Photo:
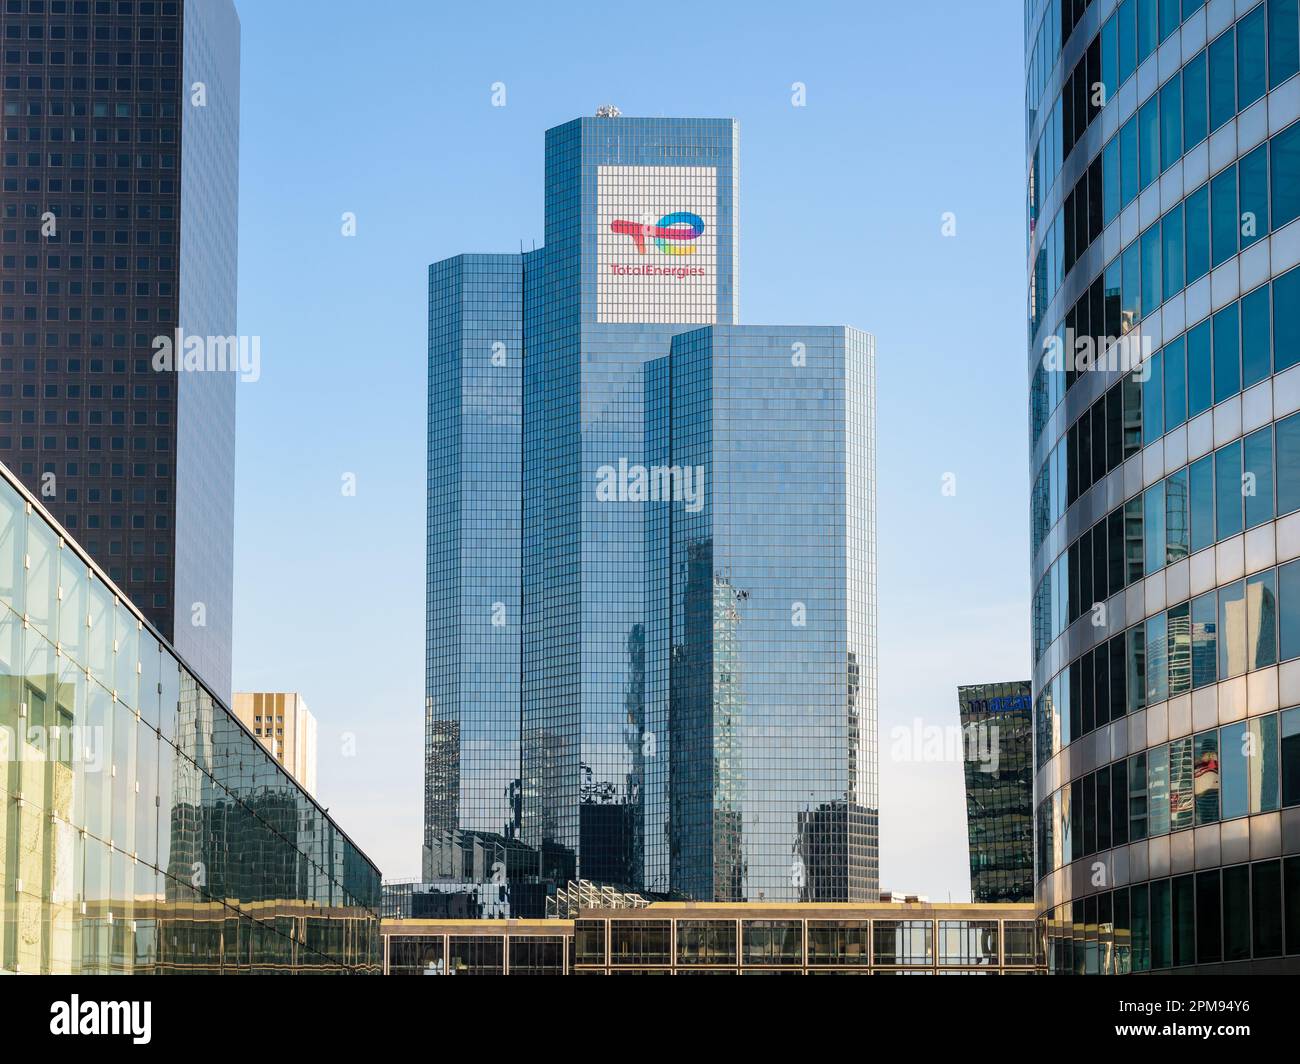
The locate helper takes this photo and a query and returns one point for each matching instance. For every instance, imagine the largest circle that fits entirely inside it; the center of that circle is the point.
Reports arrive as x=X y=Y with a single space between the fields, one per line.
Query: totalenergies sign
x=672 y=234
x=657 y=250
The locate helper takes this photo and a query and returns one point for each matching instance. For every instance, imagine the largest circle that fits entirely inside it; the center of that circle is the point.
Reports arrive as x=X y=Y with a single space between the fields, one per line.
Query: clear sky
x=913 y=108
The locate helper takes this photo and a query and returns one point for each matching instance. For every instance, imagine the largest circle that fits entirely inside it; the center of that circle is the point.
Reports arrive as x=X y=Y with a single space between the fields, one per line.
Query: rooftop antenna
x=608 y=110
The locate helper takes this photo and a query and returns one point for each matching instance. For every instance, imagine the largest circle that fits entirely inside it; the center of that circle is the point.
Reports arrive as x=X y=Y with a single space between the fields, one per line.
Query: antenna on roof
x=607 y=110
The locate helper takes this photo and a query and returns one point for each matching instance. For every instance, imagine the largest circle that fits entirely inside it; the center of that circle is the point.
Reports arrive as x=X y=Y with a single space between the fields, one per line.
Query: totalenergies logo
x=673 y=233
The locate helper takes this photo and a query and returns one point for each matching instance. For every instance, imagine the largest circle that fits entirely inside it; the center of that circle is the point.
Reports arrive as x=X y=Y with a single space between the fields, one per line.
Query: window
x=1288 y=464
x=1171 y=232
x=1151 y=255
x=1235 y=768
x=1153 y=421
x=1228 y=498
x=1171 y=123
x=1227 y=353
x=1231 y=630
x=1181 y=783
x=1261 y=620
x=709 y=942
x=773 y=942
x=1257 y=477
x=1176 y=517
x=1223 y=80
x=836 y=942
x=1175 y=367
x=1195 y=114
x=639 y=942
x=1289 y=726
x=1148 y=28
x=1266 y=907
x=1285 y=149
x=1223 y=215
x=1209 y=929
x=1153 y=507
x=903 y=941
x=1161 y=929
x=1180 y=649
x=1205 y=754
x=1158 y=791
x=1251 y=67
x=1256 y=353
x=1283 y=41
x=1128 y=158
x=1236 y=913
x=1183 y=920
x=1148 y=142
x=1288 y=579
x=1137 y=797
x=1197 y=212
x=968 y=942
x=1264 y=782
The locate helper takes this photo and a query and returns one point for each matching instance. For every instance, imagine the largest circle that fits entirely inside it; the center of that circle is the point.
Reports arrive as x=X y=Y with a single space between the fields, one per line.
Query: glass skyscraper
x=650 y=653
x=1164 y=337
x=120 y=226
x=998 y=732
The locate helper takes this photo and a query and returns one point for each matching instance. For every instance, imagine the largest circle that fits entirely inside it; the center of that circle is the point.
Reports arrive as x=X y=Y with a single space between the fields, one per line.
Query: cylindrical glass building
x=1163 y=184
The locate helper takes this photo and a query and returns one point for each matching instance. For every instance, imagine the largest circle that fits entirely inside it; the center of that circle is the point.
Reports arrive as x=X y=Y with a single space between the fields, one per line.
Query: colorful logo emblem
x=672 y=234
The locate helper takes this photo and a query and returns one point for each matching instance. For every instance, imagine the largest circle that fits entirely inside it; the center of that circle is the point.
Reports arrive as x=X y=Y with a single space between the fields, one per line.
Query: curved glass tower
x=1163 y=184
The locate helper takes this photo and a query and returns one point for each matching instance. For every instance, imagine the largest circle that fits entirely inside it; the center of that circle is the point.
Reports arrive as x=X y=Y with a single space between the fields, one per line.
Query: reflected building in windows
x=664 y=938
x=651 y=611
x=1163 y=161
x=997 y=723
x=145 y=830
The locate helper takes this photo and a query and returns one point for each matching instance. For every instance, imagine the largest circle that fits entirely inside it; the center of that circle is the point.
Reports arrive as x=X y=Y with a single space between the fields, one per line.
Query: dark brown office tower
x=119 y=247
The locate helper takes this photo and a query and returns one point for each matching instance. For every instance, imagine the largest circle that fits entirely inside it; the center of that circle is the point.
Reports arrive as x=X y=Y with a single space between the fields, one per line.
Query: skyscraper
x=121 y=161
x=997 y=727
x=286 y=727
x=1164 y=337
x=585 y=584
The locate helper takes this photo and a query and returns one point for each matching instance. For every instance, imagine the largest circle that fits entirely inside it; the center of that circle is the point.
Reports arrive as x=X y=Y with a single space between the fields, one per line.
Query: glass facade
x=474 y=597
x=754 y=939
x=554 y=575
x=1164 y=327
x=119 y=226
x=143 y=830
x=761 y=615
x=997 y=727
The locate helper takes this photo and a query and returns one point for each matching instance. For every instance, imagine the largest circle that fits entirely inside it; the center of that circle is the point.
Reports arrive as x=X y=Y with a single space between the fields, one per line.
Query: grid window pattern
x=145 y=830
x=997 y=722
x=733 y=940
x=761 y=652
x=618 y=679
x=1164 y=497
x=96 y=136
x=474 y=608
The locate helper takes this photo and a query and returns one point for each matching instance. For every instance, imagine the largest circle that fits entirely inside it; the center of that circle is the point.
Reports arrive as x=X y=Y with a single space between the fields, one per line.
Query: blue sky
x=914 y=108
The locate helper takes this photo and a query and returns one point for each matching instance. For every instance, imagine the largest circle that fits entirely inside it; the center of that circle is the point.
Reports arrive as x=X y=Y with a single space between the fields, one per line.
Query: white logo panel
x=657 y=244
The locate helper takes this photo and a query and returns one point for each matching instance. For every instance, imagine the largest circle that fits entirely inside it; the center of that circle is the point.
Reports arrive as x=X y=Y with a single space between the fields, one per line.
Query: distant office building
x=145 y=830
x=650 y=655
x=1163 y=325
x=668 y=938
x=281 y=720
x=121 y=205
x=997 y=727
